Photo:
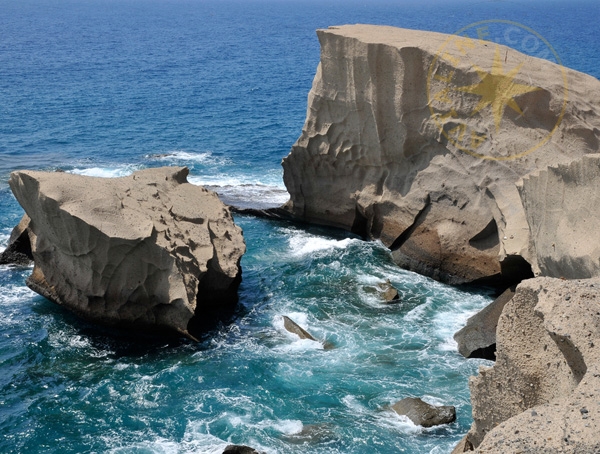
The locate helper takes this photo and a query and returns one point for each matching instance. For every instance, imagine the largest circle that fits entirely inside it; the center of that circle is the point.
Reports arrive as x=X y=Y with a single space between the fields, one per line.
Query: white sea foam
x=302 y=243
x=393 y=421
x=287 y=426
x=106 y=172
x=179 y=155
x=3 y=241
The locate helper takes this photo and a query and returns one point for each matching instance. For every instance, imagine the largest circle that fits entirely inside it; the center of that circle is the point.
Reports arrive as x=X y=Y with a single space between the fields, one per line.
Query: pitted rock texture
x=542 y=394
x=148 y=251
x=374 y=158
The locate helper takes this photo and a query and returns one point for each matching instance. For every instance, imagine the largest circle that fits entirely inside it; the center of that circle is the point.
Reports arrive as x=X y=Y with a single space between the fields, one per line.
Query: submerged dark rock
x=423 y=414
x=241 y=449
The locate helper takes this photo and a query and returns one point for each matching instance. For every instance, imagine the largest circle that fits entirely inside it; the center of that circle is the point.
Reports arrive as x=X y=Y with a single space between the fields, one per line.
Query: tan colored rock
x=388 y=292
x=376 y=156
x=561 y=204
x=149 y=251
x=542 y=393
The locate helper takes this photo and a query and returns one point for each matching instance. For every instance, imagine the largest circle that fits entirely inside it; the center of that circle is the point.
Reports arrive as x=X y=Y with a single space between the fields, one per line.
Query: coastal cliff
x=398 y=147
x=475 y=163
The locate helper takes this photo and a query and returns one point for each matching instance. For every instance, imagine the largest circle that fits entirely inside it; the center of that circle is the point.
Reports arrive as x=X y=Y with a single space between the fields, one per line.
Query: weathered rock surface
x=382 y=153
x=148 y=251
x=18 y=250
x=423 y=414
x=542 y=394
x=477 y=339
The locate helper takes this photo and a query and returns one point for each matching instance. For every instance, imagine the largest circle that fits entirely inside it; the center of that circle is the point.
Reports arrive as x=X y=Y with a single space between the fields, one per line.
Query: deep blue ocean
x=105 y=87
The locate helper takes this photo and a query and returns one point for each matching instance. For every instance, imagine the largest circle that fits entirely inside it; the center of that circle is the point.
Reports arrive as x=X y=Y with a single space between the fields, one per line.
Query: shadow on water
x=125 y=343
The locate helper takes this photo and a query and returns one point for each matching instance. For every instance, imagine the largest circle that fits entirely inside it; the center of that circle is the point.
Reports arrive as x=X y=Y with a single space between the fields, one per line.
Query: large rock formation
x=542 y=394
x=148 y=251
x=404 y=143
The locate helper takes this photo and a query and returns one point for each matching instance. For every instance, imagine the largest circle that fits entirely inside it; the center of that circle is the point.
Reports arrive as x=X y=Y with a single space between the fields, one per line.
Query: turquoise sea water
x=106 y=87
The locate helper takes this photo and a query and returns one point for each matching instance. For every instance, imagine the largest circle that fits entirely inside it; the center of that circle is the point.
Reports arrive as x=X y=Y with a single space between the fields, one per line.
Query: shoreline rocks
x=148 y=252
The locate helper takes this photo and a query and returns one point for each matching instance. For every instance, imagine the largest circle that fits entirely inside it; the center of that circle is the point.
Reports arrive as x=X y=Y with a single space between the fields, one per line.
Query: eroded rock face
x=148 y=251
x=377 y=156
x=542 y=393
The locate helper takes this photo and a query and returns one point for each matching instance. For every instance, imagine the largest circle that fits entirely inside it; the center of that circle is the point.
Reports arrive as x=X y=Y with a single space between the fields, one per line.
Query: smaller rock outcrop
x=18 y=250
x=388 y=292
x=149 y=251
x=296 y=329
x=423 y=414
x=477 y=339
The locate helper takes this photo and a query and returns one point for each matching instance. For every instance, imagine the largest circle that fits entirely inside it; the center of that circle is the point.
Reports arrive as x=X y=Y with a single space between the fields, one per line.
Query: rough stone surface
x=377 y=155
x=423 y=414
x=542 y=394
x=18 y=249
x=477 y=339
x=148 y=251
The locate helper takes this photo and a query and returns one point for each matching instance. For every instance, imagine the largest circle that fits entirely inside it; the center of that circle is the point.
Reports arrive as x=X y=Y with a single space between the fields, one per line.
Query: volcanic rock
x=397 y=146
x=423 y=414
x=240 y=449
x=148 y=251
